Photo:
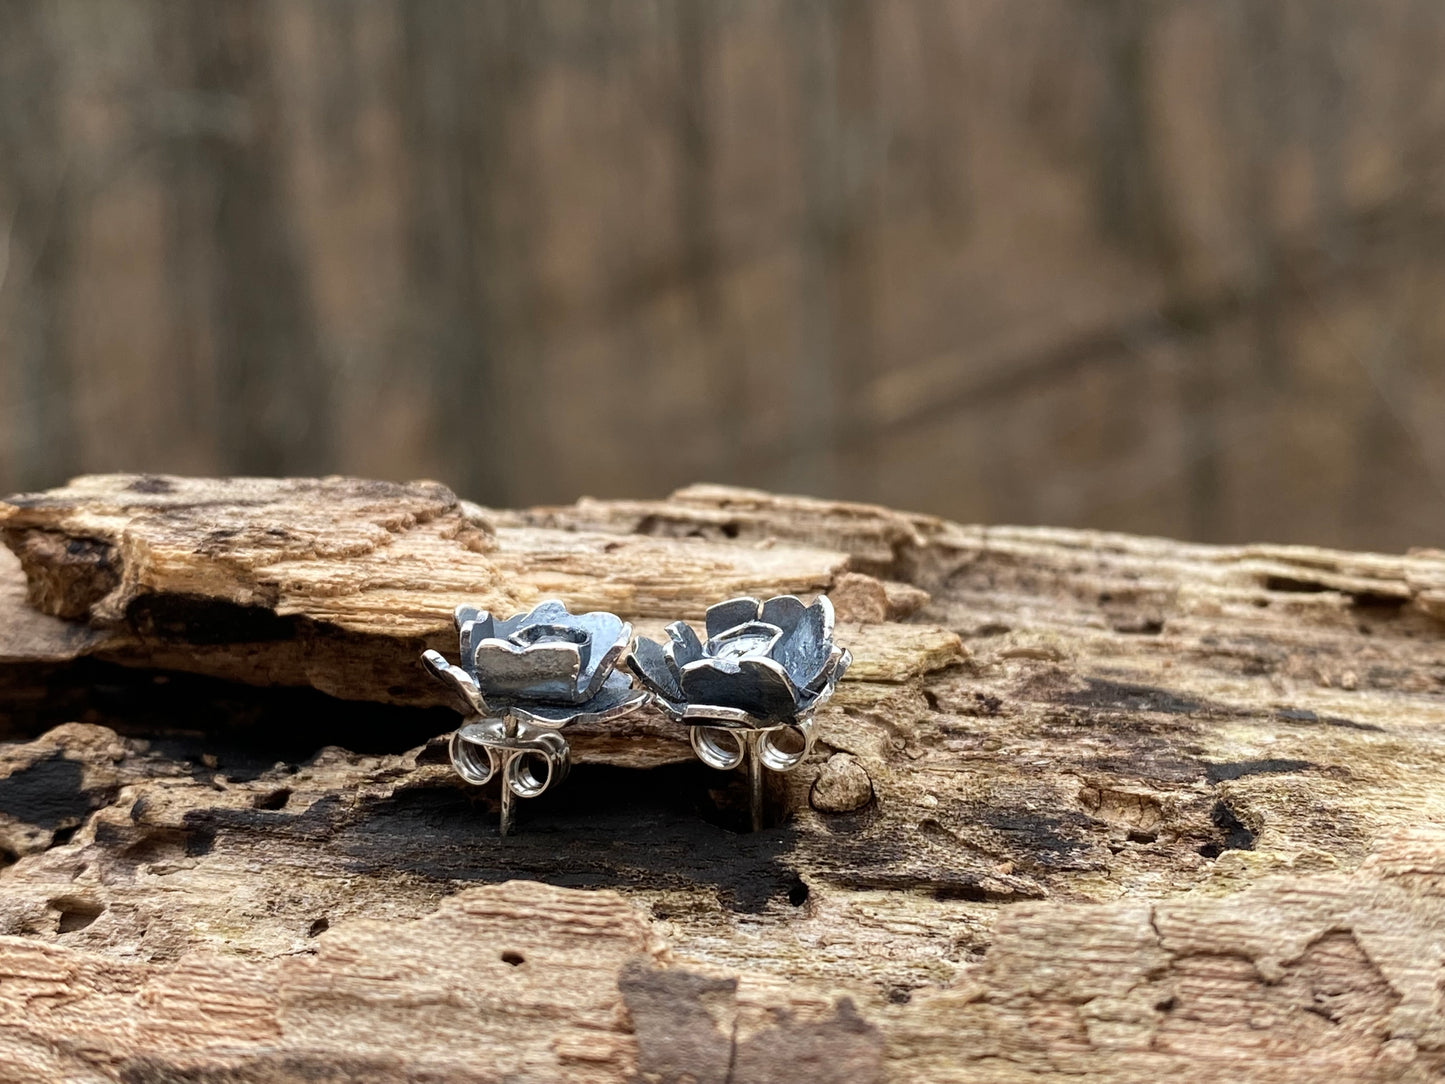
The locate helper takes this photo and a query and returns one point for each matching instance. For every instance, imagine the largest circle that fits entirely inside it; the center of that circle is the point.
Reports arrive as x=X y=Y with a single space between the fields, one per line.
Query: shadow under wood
x=605 y=827
x=247 y=729
x=671 y=827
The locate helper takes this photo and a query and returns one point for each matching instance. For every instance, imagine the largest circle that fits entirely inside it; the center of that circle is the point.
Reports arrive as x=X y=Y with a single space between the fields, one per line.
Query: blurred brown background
x=1172 y=267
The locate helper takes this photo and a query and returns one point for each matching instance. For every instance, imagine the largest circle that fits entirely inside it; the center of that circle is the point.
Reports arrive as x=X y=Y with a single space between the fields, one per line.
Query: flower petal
x=503 y=627
x=785 y=611
x=547 y=612
x=545 y=671
x=648 y=660
x=461 y=681
x=604 y=663
x=465 y=615
x=760 y=687
x=472 y=625
x=839 y=660
x=732 y=613
x=804 y=652
x=617 y=697
x=826 y=683
x=684 y=647
x=607 y=638
x=544 y=613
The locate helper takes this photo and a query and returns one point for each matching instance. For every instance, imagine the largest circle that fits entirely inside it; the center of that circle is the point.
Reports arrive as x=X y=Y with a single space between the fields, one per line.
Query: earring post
x=509 y=808
x=755 y=782
x=509 y=797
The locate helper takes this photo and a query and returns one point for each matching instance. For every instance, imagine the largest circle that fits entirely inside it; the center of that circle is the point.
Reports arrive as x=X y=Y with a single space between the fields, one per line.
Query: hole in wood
x=64 y=835
x=516 y=959
x=276 y=799
x=1236 y=837
x=1291 y=584
x=798 y=893
x=76 y=914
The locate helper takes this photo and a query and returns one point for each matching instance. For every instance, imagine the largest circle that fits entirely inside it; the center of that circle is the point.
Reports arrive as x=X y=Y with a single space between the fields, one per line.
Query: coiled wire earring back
x=521 y=680
x=749 y=692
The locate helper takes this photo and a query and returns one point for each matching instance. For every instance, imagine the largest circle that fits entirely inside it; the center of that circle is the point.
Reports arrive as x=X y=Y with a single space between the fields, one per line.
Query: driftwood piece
x=1085 y=804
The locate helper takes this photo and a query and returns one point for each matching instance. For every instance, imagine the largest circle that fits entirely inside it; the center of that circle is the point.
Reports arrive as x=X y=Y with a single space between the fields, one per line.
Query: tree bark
x=1085 y=805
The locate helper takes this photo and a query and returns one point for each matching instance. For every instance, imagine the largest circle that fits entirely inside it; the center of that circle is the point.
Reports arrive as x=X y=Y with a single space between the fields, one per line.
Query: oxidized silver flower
x=523 y=679
x=753 y=686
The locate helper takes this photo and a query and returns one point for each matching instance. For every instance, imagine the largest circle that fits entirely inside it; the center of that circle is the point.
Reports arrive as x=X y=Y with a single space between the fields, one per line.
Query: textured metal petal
x=648 y=660
x=838 y=660
x=605 y=665
x=804 y=652
x=616 y=698
x=544 y=613
x=459 y=679
x=464 y=635
x=732 y=613
x=600 y=626
x=505 y=627
x=785 y=611
x=472 y=625
x=545 y=671
x=759 y=687
x=683 y=647
x=826 y=682
x=607 y=638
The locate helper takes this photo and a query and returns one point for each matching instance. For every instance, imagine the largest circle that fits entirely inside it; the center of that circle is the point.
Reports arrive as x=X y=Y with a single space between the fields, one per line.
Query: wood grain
x=1086 y=804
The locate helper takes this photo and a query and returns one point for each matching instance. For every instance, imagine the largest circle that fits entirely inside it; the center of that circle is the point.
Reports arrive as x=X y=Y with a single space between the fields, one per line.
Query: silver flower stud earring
x=749 y=692
x=522 y=680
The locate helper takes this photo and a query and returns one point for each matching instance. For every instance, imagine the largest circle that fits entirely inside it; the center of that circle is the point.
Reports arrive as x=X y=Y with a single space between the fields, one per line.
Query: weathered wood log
x=1086 y=804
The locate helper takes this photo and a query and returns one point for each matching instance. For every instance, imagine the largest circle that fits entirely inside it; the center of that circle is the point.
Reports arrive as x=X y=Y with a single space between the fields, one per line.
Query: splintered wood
x=1086 y=805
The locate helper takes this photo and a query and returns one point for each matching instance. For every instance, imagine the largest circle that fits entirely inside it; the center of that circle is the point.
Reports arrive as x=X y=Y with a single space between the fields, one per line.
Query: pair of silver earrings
x=747 y=693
